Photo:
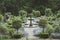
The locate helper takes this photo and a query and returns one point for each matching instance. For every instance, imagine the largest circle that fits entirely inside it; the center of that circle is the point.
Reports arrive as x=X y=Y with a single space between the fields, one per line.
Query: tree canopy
x=14 y=6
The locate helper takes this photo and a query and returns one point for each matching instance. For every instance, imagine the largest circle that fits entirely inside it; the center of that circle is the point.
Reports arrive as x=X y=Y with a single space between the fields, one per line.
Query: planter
x=44 y=35
x=17 y=36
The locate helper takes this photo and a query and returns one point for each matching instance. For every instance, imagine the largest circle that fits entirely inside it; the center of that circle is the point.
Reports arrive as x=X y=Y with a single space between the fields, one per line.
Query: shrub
x=58 y=14
x=57 y=29
x=51 y=18
x=44 y=35
x=4 y=37
x=17 y=36
x=50 y=23
x=36 y=13
x=22 y=13
x=3 y=29
x=9 y=21
x=43 y=22
x=17 y=24
x=11 y=31
x=48 y=12
x=49 y=29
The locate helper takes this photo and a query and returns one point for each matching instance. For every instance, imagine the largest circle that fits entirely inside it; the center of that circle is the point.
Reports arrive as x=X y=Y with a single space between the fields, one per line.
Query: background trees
x=14 y=6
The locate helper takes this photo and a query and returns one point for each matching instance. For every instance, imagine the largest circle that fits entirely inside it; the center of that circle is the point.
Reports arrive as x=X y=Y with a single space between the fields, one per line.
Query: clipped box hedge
x=44 y=35
x=17 y=36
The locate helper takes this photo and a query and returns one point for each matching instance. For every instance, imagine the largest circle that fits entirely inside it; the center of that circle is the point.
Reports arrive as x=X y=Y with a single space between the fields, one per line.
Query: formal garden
x=29 y=20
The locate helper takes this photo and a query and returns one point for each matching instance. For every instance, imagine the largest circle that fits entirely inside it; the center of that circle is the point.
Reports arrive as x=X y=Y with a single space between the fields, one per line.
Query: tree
x=17 y=24
x=43 y=22
x=14 y=6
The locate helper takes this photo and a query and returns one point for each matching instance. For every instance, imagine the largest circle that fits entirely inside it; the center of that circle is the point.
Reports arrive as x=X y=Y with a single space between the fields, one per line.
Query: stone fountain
x=30 y=21
x=30 y=25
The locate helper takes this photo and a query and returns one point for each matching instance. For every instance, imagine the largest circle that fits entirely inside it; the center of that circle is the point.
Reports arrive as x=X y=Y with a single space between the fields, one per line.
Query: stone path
x=29 y=29
x=30 y=32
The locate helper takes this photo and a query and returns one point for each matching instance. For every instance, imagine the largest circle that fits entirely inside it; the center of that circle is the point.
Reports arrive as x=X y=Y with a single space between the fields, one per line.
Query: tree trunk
x=43 y=29
x=17 y=31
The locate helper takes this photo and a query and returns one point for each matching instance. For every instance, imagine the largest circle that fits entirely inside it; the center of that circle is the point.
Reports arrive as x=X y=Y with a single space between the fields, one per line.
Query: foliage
x=58 y=14
x=48 y=12
x=16 y=24
x=43 y=23
x=51 y=18
x=14 y=18
x=14 y=6
x=57 y=29
x=21 y=9
x=9 y=21
x=3 y=37
x=11 y=31
x=44 y=35
x=22 y=13
x=55 y=25
x=17 y=36
x=36 y=13
x=49 y=29
x=3 y=29
x=1 y=18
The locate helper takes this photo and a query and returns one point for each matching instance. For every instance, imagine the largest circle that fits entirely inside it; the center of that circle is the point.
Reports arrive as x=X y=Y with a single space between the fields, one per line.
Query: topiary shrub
x=48 y=12
x=17 y=36
x=17 y=24
x=43 y=23
x=36 y=13
x=44 y=35
x=3 y=30
x=23 y=14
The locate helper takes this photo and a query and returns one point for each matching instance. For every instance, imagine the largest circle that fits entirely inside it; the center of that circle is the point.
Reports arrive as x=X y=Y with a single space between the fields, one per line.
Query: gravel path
x=30 y=32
